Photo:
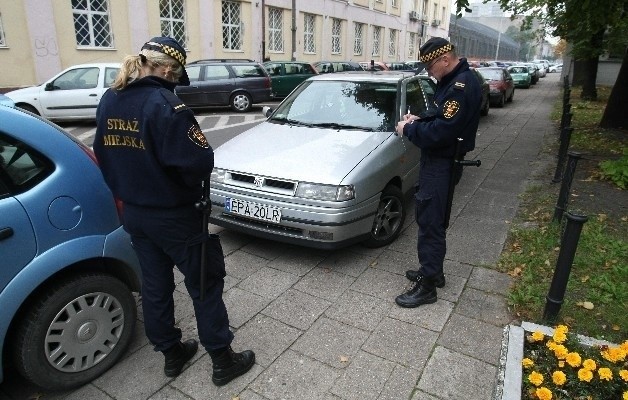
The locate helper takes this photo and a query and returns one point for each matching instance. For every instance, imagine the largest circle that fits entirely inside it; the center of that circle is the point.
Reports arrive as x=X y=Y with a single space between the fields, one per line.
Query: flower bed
x=539 y=362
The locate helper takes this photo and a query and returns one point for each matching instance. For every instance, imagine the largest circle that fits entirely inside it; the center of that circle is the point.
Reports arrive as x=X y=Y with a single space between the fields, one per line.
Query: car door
x=193 y=95
x=276 y=72
x=73 y=94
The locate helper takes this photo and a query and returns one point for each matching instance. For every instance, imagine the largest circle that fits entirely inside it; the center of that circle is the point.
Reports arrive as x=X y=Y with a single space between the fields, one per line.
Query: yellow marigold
x=559 y=378
x=544 y=393
x=623 y=374
x=562 y=328
x=585 y=375
x=625 y=396
x=573 y=359
x=624 y=345
x=537 y=336
x=614 y=354
x=605 y=374
x=550 y=344
x=535 y=378
x=559 y=336
x=527 y=363
x=560 y=351
x=589 y=364
x=561 y=364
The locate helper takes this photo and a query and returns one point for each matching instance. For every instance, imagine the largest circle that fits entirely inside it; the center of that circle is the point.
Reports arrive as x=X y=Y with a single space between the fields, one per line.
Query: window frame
x=336 y=36
x=169 y=20
x=231 y=27
x=309 y=33
x=275 y=32
x=89 y=14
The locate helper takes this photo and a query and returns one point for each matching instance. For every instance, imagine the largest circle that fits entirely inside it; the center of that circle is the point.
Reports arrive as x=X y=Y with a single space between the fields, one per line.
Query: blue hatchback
x=68 y=268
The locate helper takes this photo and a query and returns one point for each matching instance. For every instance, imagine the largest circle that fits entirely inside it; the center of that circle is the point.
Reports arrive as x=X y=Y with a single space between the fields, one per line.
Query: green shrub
x=616 y=170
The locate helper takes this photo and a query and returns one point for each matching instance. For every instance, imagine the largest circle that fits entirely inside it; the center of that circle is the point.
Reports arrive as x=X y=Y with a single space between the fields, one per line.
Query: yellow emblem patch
x=196 y=136
x=450 y=108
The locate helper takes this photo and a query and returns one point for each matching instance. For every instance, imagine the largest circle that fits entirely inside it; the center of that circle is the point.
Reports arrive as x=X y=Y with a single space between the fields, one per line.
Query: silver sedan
x=325 y=169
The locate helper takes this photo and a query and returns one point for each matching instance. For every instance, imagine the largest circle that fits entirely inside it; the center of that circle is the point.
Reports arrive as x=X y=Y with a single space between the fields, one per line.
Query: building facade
x=39 y=38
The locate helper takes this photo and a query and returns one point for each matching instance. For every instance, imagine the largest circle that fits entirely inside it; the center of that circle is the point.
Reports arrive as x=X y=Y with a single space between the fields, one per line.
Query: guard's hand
x=399 y=127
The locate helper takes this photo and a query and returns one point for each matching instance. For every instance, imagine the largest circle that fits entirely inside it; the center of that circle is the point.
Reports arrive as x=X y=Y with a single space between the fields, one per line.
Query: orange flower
x=535 y=378
x=543 y=393
x=585 y=375
x=559 y=378
x=573 y=359
x=614 y=354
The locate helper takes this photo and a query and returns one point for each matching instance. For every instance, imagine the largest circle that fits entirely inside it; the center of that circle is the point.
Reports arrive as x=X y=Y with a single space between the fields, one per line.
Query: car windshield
x=492 y=74
x=518 y=70
x=366 y=106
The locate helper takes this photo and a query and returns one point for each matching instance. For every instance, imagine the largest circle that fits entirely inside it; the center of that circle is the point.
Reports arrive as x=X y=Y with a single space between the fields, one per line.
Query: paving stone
x=296 y=309
x=406 y=242
x=268 y=282
x=359 y=310
x=167 y=393
x=251 y=395
x=267 y=337
x=429 y=316
x=401 y=383
x=242 y=264
x=331 y=342
x=295 y=376
x=490 y=280
x=401 y=342
x=324 y=283
x=472 y=337
x=453 y=376
x=364 y=379
x=243 y=305
x=382 y=284
x=298 y=261
x=347 y=262
x=397 y=262
x=265 y=248
x=483 y=306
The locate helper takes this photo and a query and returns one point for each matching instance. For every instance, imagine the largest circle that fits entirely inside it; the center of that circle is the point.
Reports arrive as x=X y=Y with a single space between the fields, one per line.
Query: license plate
x=253 y=210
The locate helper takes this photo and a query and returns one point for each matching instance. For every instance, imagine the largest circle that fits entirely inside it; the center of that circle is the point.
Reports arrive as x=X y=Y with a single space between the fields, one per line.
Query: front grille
x=263 y=224
x=263 y=183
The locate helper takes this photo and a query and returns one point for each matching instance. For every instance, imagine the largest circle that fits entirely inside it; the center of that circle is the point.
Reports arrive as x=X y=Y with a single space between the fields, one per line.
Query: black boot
x=177 y=356
x=423 y=292
x=228 y=365
x=413 y=275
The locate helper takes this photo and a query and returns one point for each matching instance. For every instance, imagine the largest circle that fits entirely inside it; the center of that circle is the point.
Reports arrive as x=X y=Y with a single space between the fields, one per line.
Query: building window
x=172 y=20
x=392 y=44
x=377 y=31
x=411 y=46
x=394 y=3
x=231 y=26
x=309 y=34
x=275 y=29
x=358 y=41
x=336 y=33
x=3 y=42
x=91 y=23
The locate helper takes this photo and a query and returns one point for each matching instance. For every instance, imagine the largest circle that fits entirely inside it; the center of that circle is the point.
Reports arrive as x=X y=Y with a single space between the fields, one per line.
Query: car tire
x=502 y=100
x=512 y=95
x=389 y=218
x=484 y=110
x=74 y=331
x=241 y=102
x=29 y=108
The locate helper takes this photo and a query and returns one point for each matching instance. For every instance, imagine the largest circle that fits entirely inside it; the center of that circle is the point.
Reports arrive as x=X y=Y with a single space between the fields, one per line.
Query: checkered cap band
x=168 y=50
x=425 y=58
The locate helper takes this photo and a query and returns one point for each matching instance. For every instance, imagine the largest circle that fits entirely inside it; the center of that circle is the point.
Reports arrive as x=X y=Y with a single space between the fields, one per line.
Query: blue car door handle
x=6 y=233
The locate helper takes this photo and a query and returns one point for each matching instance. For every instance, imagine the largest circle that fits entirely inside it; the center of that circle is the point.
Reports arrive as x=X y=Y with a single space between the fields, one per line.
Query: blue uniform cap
x=171 y=47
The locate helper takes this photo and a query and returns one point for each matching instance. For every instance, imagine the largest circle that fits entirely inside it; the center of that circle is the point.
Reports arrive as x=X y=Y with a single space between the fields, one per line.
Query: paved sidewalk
x=324 y=325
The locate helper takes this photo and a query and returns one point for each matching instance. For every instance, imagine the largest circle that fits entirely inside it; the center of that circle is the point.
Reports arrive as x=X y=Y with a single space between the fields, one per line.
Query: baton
x=452 y=177
x=203 y=205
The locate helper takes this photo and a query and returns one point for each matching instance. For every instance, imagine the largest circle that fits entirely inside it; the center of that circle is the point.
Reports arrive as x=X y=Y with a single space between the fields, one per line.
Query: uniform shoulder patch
x=450 y=108
x=174 y=101
x=196 y=136
x=459 y=85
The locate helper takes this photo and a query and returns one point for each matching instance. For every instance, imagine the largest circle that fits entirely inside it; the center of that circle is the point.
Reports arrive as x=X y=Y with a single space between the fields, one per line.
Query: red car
x=502 y=87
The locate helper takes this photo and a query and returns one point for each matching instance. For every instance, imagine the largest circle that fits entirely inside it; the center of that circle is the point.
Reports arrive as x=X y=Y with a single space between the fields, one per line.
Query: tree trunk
x=589 y=90
x=615 y=115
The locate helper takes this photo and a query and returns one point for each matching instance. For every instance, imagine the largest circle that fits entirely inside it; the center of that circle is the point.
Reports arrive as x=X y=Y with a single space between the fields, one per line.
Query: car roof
x=106 y=64
x=224 y=60
x=366 y=76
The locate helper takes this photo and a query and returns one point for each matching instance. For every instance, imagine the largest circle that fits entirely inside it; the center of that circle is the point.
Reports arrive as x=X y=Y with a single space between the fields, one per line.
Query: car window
x=213 y=72
x=21 y=167
x=247 y=71
x=80 y=78
x=110 y=76
x=273 y=69
x=294 y=69
x=492 y=74
x=519 y=70
x=415 y=100
x=194 y=72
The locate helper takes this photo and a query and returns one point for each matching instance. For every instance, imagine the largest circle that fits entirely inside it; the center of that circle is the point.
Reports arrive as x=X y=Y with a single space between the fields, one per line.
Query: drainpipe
x=263 y=31
x=294 y=30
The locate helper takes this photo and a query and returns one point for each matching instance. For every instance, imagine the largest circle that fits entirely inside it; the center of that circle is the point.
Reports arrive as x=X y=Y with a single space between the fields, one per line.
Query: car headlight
x=325 y=192
x=218 y=175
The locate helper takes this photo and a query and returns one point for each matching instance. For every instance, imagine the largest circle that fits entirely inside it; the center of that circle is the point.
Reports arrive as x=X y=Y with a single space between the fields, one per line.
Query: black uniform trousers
x=431 y=207
x=163 y=237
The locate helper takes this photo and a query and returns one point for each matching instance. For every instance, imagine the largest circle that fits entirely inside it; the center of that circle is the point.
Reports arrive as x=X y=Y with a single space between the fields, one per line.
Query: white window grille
x=309 y=34
x=358 y=42
x=336 y=33
x=377 y=31
x=392 y=43
x=172 y=20
x=411 y=45
x=91 y=23
x=394 y=3
x=275 y=29
x=3 y=42
x=231 y=25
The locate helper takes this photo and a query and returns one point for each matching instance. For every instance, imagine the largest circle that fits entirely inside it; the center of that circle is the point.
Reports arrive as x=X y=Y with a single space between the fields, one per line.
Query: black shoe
x=423 y=292
x=413 y=275
x=228 y=365
x=177 y=356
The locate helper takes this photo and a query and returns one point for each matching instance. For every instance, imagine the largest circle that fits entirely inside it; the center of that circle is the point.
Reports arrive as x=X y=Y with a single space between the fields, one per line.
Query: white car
x=72 y=94
x=326 y=169
x=556 y=68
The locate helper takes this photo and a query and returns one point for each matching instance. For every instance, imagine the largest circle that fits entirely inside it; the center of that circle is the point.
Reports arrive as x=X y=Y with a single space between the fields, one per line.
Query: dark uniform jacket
x=458 y=99
x=150 y=148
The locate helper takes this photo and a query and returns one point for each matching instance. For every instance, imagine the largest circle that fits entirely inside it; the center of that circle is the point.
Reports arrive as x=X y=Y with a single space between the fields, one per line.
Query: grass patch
x=599 y=274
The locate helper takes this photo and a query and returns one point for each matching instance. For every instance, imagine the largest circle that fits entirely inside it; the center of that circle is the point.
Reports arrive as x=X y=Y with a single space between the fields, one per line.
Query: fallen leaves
x=587 y=305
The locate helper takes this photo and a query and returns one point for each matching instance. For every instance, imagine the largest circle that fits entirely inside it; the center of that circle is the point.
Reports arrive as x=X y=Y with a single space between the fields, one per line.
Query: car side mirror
x=49 y=87
x=266 y=111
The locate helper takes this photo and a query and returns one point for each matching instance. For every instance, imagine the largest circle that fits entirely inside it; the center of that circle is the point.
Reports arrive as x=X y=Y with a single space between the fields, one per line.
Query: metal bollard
x=569 y=243
x=565 y=138
x=565 y=187
x=565 y=119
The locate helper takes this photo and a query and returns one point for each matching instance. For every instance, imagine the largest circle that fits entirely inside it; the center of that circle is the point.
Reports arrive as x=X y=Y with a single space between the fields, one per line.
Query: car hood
x=23 y=93
x=298 y=153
